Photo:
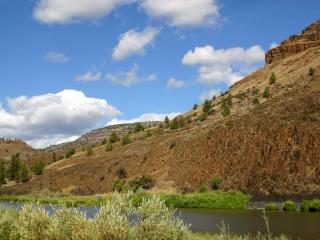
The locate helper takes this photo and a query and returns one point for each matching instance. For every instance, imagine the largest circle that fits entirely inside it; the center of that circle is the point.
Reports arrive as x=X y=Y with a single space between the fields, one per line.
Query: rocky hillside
x=267 y=143
x=98 y=135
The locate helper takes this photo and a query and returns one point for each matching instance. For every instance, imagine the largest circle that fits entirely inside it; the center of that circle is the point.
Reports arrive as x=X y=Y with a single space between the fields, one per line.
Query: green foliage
x=273 y=78
x=195 y=106
x=202 y=117
x=203 y=188
x=144 y=182
x=256 y=101
x=38 y=167
x=310 y=205
x=24 y=174
x=311 y=71
x=89 y=152
x=138 y=128
x=215 y=183
x=271 y=207
x=290 y=206
x=113 y=138
x=148 y=134
x=207 y=107
x=225 y=108
x=104 y=141
x=266 y=92
x=109 y=147
x=167 y=122
x=178 y=122
x=126 y=140
x=118 y=185
x=121 y=172
x=70 y=153
x=2 y=173
x=15 y=167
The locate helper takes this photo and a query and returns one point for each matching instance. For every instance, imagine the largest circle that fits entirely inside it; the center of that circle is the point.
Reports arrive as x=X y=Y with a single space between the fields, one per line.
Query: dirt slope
x=270 y=149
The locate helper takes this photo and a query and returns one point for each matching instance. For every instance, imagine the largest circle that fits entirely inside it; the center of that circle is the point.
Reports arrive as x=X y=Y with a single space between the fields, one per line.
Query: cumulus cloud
x=56 y=57
x=185 y=13
x=143 y=118
x=58 y=116
x=69 y=11
x=89 y=77
x=274 y=45
x=130 y=78
x=174 y=84
x=223 y=65
x=134 y=42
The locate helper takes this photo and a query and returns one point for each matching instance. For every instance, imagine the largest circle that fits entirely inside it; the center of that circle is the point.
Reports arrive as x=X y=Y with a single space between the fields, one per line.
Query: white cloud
x=174 y=83
x=134 y=42
x=89 y=77
x=69 y=11
x=274 y=45
x=130 y=78
x=59 y=116
x=56 y=57
x=209 y=94
x=143 y=118
x=224 y=65
x=185 y=13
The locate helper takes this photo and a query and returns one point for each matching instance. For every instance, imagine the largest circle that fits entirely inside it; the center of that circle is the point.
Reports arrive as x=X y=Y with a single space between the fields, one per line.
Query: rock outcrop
x=309 y=38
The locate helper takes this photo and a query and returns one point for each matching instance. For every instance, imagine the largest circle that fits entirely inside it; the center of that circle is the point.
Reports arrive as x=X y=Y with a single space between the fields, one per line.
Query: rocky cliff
x=309 y=38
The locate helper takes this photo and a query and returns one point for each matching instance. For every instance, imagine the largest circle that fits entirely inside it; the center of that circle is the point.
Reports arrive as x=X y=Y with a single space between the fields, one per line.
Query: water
x=296 y=225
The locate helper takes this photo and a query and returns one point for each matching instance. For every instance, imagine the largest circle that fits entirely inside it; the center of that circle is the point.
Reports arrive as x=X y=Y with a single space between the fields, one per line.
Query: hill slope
x=267 y=149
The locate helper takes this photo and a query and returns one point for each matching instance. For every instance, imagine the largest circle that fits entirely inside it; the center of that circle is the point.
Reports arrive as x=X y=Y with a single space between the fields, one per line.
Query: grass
x=290 y=206
x=213 y=200
x=271 y=207
x=153 y=221
x=310 y=205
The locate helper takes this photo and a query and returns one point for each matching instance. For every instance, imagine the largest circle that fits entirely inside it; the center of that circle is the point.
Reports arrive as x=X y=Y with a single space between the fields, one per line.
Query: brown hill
x=266 y=149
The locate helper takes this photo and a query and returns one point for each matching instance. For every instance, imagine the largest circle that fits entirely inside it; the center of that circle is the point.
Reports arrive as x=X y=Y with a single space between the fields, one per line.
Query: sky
x=70 y=66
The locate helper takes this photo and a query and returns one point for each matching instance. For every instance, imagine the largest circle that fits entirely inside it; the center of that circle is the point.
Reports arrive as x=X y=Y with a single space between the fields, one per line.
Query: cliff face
x=309 y=38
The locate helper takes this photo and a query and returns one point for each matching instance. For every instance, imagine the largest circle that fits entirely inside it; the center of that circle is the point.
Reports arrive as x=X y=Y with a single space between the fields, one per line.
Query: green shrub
x=38 y=167
x=109 y=147
x=273 y=78
x=271 y=207
x=104 y=141
x=118 y=185
x=126 y=140
x=148 y=134
x=225 y=108
x=311 y=71
x=24 y=174
x=215 y=183
x=14 y=167
x=2 y=173
x=167 y=122
x=289 y=206
x=174 y=124
x=121 y=173
x=203 y=188
x=113 y=138
x=144 y=182
x=266 y=92
x=70 y=153
x=207 y=107
x=256 y=101
x=138 y=128
x=310 y=205
x=202 y=117
x=89 y=152
x=195 y=106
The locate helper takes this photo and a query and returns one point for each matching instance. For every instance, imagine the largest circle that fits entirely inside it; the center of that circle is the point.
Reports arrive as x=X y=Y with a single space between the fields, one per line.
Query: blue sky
x=119 y=59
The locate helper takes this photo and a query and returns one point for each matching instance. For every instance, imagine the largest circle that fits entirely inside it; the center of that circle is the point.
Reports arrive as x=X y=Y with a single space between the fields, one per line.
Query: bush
x=144 y=182
x=121 y=172
x=109 y=147
x=195 y=106
x=70 y=153
x=225 y=108
x=126 y=140
x=202 y=117
x=24 y=174
x=118 y=185
x=290 y=206
x=167 y=122
x=266 y=93
x=311 y=71
x=272 y=78
x=271 y=207
x=104 y=141
x=256 y=101
x=310 y=205
x=113 y=138
x=138 y=128
x=38 y=167
x=215 y=183
x=207 y=107
x=89 y=152
x=2 y=173
x=15 y=167
x=174 y=124
x=148 y=134
x=203 y=188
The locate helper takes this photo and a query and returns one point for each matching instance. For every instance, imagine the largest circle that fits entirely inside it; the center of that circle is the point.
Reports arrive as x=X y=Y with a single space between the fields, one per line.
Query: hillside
x=269 y=146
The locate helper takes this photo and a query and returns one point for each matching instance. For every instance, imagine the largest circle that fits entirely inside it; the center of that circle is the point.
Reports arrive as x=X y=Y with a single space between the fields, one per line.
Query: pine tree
x=15 y=166
x=2 y=173
x=113 y=138
x=138 y=128
x=174 y=124
x=266 y=93
x=126 y=140
x=109 y=147
x=24 y=174
x=38 y=167
x=207 y=107
x=167 y=122
x=273 y=78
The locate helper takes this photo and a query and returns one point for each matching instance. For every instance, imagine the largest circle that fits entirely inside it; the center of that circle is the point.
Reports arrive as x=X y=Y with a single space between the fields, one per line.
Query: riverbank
x=209 y=200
